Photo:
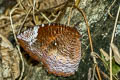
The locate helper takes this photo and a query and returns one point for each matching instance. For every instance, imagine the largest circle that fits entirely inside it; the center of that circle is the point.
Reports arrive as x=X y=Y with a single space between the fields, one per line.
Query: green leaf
x=115 y=68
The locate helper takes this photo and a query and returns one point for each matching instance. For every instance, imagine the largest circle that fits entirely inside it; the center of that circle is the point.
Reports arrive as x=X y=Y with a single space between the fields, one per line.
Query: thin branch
x=89 y=34
x=45 y=17
x=34 y=3
x=110 y=8
x=90 y=40
x=24 y=20
x=12 y=26
x=70 y=14
x=77 y=3
x=113 y=34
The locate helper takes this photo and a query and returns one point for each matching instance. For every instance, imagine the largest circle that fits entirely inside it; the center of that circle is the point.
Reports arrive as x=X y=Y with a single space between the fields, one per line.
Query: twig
x=113 y=34
x=45 y=17
x=24 y=20
x=34 y=3
x=105 y=75
x=110 y=8
x=89 y=34
x=20 y=3
x=89 y=73
x=69 y=17
x=77 y=3
x=12 y=26
x=56 y=16
x=90 y=40
x=97 y=69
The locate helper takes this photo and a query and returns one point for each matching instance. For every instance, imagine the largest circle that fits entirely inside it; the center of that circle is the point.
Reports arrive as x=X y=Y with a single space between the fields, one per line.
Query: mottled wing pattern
x=56 y=46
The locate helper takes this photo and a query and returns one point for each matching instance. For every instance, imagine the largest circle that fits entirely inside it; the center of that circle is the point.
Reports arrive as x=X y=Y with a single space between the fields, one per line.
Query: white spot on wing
x=42 y=25
x=29 y=35
x=49 y=24
x=55 y=43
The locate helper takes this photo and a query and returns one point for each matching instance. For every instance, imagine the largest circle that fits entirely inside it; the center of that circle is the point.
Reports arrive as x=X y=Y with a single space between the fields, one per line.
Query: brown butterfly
x=57 y=46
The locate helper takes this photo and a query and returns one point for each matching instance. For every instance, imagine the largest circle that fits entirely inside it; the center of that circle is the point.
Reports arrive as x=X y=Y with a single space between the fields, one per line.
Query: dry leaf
x=9 y=60
x=116 y=53
x=107 y=58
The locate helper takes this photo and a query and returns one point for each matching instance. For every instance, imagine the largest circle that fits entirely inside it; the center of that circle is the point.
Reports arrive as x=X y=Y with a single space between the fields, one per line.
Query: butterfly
x=57 y=46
